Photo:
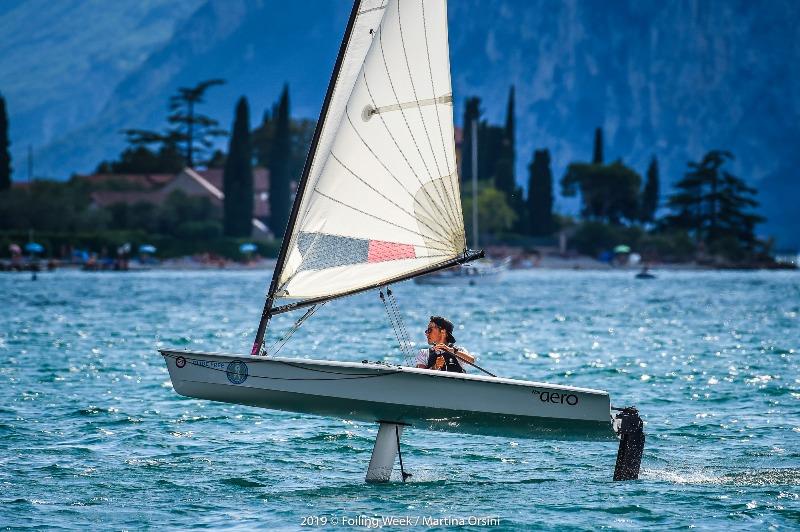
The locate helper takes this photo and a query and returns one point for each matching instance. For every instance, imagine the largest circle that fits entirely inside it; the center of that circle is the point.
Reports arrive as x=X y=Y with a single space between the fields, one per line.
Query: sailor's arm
x=464 y=355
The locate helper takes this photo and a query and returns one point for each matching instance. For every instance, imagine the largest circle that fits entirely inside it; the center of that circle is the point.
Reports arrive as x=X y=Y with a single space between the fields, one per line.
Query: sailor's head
x=440 y=331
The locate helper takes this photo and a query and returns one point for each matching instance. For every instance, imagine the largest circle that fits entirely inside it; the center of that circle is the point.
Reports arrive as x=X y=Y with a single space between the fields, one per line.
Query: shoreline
x=547 y=263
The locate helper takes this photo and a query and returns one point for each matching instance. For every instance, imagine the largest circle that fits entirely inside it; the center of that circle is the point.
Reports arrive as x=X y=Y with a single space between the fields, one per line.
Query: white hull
x=471 y=275
x=373 y=392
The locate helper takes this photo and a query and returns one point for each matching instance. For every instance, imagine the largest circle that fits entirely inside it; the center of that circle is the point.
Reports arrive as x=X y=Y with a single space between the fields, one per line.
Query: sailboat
x=378 y=203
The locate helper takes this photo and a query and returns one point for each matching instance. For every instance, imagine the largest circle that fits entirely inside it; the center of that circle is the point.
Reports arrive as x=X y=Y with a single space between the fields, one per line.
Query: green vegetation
x=714 y=206
x=280 y=196
x=711 y=215
x=650 y=192
x=238 y=177
x=160 y=152
x=609 y=192
x=540 y=195
x=494 y=214
x=5 y=156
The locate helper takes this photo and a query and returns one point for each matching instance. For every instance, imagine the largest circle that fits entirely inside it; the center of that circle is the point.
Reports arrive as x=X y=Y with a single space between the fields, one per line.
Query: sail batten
x=381 y=199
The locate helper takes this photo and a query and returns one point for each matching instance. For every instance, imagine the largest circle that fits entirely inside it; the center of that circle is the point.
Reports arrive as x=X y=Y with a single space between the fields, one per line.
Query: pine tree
x=238 y=176
x=5 y=156
x=597 y=157
x=471 y=113
x=279 y=176
x=191 y=126
x=540 y=195
x=650 y=192
x=714 y=204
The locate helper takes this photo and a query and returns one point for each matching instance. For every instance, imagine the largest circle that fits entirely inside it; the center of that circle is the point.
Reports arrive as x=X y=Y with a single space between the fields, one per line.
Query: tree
x=190 y=126
x=153 y=151
x=714 y=204
x=139 y=158
x=503 y=173
x=238 y=176
x=503 y=159
x=650 y=192
x=540 y=195
x=5 y=156
x=280 y=158
x=597 y=156
x=472 y=113
x=494 y=213
x=609 y=192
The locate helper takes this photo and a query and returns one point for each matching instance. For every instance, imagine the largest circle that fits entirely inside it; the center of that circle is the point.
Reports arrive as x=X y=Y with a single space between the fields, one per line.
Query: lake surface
x=92 y=434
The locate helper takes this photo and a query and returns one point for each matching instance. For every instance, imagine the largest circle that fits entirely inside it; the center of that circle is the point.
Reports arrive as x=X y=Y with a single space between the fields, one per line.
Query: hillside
x=672 y=79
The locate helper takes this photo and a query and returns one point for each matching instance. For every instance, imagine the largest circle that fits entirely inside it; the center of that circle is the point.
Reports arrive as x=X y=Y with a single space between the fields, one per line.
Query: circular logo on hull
x=180 y=362
x=237 y=372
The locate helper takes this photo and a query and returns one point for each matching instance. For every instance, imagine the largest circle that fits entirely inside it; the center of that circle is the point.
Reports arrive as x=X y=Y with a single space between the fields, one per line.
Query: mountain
x=672 y=79
x=60 y=61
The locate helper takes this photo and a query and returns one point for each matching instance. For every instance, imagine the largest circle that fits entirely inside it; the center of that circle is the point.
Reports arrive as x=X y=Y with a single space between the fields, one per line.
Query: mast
x=265 y=314
x=474 y=183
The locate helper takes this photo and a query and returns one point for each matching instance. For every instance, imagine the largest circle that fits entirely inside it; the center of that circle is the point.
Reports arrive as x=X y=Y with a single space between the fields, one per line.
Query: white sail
x=381 y=198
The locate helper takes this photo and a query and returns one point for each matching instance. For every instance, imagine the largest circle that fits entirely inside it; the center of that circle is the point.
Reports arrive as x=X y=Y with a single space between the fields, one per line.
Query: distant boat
x=645 y=274
x=378 y=202
x=478 y=272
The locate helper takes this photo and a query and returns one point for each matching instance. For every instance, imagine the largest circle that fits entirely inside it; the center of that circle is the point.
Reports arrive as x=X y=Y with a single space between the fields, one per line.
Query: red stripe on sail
x=380 y=251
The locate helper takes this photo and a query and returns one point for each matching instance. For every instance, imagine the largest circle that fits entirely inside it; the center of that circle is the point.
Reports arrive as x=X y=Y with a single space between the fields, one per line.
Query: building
x=131 y=189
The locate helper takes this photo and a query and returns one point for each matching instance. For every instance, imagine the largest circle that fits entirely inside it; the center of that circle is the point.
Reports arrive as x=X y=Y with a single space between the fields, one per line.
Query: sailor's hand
x=439 y=364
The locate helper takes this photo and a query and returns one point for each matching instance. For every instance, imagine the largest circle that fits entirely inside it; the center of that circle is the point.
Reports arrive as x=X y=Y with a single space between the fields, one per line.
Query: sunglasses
x=430 y=329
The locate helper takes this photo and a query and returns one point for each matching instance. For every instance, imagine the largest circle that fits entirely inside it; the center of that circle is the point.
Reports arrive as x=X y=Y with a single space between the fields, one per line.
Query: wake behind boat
x=378 y=203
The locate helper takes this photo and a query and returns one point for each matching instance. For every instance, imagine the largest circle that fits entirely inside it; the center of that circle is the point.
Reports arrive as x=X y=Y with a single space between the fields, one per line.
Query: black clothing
x=451 y=362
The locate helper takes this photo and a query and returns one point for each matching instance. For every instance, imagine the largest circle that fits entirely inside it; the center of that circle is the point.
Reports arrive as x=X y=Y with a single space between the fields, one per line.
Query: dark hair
x=445 y=324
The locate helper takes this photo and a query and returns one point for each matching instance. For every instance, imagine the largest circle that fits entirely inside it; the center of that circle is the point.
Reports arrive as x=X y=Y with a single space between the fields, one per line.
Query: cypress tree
x=238 y=176
x=540 y=194
x=471 y=113
x=597 y=157
x=280 y=158
x=504 y=178
x=5 y=156
x=650 y=193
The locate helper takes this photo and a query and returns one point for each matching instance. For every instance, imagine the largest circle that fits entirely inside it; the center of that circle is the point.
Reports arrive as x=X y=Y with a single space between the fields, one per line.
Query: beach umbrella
x=147 y=248
x=622 y=249
x=33 y=247
x=247 y=248
x=14 y=249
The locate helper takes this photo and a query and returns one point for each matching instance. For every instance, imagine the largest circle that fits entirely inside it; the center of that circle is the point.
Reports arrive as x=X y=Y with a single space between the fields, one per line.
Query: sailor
x=443 y=355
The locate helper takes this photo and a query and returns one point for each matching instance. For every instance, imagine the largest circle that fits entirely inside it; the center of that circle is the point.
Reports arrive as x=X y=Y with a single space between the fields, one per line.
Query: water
x=91 y=433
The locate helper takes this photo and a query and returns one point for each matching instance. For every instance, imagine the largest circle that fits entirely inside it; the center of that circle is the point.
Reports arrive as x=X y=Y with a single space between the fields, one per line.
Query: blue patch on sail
x=320 y=251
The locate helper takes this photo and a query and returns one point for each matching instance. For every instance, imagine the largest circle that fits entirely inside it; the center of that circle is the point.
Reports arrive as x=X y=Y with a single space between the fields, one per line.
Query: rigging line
x=457 y=197
x=392 y=321
x=400 y=150
x=318 y=191
x=403 y=114
x=310 y=312
x=444 y=237
x=419 y=107
x=421 y=205
x=402 y=323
